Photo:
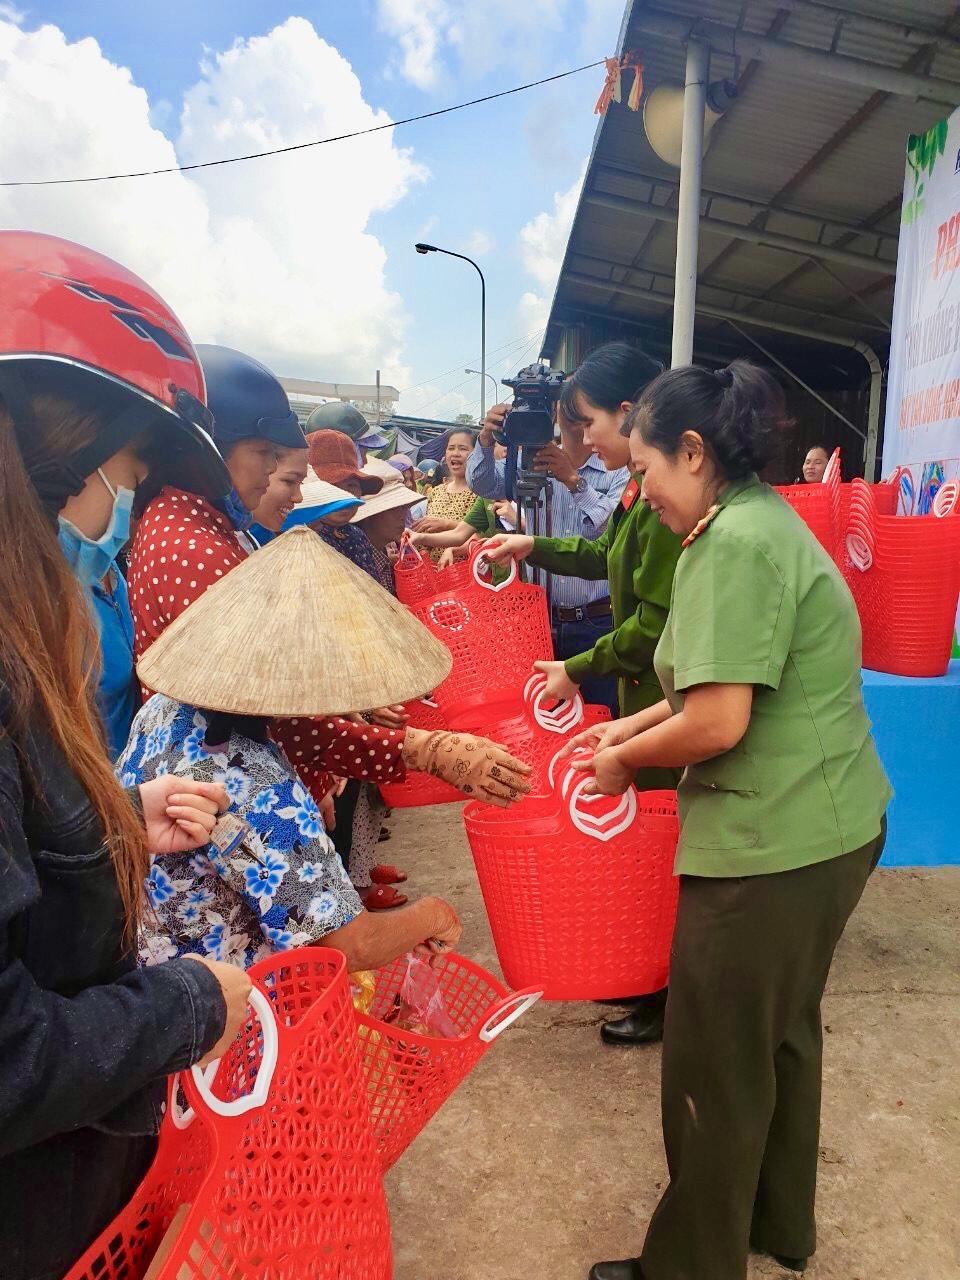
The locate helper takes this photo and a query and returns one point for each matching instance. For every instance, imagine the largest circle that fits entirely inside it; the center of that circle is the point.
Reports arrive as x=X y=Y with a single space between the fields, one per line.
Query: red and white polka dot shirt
x=182 y=546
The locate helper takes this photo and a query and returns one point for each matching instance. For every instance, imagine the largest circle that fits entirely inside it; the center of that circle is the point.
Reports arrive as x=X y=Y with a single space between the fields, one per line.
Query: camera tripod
x=534 y=497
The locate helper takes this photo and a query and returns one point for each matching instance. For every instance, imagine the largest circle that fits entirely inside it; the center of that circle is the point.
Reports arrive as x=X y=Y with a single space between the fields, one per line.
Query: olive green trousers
x=742 y=1064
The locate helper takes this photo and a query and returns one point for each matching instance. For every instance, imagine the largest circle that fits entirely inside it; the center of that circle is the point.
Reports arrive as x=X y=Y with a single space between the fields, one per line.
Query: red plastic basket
x=580 y=892
x=418 y=580
x=495 y=632
x=904 y=574
x=813 y=504
x=421 y=789
x=276 y=1158
x=534 y=732
x=409 y=1076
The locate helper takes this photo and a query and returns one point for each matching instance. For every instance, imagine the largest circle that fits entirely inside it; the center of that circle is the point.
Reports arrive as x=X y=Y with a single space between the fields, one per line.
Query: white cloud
x=431 y=401
x=432 y=34
x=273 y=256
x=478 y=243
x=542 y=243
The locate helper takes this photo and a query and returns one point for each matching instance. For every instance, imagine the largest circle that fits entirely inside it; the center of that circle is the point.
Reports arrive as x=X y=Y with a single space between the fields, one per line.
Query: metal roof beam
x=888 y=27
x=723 y=313
x=755 y=235
x=727 y=287
x=755 y=206
x=799 y=58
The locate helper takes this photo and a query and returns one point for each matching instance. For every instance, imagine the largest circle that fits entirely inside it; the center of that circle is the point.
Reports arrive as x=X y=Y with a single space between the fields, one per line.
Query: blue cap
x=247 y=401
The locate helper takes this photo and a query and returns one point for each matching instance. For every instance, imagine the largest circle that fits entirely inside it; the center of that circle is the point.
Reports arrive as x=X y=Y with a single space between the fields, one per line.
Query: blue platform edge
x=916 y=726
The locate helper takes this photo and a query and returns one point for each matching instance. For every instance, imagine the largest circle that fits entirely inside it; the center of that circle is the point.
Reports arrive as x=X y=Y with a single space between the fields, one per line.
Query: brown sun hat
x=333 y=456
x=296 y=630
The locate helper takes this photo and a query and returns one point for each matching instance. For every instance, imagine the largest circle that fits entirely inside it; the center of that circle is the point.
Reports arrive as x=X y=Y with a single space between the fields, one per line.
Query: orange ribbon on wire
x=612 y=90
x=611 y=87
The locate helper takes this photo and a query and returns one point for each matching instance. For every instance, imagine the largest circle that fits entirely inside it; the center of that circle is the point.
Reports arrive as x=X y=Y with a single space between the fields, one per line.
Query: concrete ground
x=549 y=1156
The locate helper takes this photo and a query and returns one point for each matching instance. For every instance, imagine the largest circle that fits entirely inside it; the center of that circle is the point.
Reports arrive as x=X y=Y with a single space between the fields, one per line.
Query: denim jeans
x=571 y=638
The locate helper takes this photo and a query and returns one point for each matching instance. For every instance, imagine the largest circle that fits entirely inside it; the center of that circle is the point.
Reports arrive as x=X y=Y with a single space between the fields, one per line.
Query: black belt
x=580 y=612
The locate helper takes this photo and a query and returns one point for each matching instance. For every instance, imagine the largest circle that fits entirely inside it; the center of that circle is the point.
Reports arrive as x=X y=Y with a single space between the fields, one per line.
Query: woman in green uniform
x=782 y=804
x=638 y=556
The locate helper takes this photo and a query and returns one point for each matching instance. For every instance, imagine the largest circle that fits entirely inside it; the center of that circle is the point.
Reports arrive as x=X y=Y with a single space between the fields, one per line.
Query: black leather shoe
x=628 y=1269
x=642 y=1026
x=790 y=1264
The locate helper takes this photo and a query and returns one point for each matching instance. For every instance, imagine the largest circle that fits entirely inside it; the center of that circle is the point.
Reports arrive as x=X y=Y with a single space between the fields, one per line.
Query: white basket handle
x=945 y=503
x=578 y=753
x=477 y=567
x=506 y=1013
x=203 y=1076
x=566 y=715
x=611 y=824
x=407 y=546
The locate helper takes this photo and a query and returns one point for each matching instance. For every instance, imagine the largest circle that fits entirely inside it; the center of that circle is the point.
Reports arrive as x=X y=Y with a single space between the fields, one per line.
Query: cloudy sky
x=307 y=260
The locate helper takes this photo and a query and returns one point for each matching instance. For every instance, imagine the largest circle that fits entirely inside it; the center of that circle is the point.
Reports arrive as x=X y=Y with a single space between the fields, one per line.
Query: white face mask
x=91 y=560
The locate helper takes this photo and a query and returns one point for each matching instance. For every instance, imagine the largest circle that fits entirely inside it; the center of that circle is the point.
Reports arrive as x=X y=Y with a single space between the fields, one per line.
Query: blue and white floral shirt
x=284 y=885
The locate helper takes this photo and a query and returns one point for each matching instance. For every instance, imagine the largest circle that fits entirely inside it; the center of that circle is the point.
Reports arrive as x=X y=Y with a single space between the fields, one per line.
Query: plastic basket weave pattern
x=904 y=574
x=291 y=1187
x=408 y=1076
x=587 y=914
x=495 y=633
x=417 y=579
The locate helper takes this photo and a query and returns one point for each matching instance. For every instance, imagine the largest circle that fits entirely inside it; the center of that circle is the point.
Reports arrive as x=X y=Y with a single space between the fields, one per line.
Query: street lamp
x=496 y=389
x=432 y=248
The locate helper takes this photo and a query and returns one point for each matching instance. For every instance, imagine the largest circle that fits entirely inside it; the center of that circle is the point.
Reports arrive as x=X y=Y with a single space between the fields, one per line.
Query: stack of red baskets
x=580 y=890
x=495 y=631
x=904 y=573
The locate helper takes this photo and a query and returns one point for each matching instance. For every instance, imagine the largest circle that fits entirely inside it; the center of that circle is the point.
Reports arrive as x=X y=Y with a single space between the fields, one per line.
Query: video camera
x=529 y=424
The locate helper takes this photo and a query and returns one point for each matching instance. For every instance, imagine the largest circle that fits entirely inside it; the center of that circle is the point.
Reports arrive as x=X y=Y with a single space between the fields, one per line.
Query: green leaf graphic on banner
x=923 y=152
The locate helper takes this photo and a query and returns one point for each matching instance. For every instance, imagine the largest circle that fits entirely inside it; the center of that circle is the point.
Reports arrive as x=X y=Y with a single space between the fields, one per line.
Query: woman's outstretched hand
x=610 y=776
x=180 y=813
x=597 y=738
x=559 y=684
x=507 y=546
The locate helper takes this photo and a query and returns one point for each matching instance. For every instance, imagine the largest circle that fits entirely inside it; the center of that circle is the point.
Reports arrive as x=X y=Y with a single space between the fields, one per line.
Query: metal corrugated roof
x=822 y=158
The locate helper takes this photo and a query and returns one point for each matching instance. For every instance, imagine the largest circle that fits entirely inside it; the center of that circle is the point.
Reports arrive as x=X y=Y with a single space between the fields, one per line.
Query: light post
x=496 y=389
x=432 y=248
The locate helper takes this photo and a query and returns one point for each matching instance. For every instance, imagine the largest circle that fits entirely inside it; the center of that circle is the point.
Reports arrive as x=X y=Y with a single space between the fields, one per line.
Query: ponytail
x=738 y=410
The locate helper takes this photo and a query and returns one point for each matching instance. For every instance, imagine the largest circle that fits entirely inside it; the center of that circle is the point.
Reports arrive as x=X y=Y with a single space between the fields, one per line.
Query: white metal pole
x=688 y=221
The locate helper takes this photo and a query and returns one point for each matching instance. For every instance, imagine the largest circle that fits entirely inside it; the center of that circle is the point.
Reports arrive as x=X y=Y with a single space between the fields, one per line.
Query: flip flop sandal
x=387 y=875
x=383 y=897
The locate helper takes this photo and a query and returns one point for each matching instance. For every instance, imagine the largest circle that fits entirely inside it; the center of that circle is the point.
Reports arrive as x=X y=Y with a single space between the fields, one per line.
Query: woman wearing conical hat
x=270 y=879
x=185 y=544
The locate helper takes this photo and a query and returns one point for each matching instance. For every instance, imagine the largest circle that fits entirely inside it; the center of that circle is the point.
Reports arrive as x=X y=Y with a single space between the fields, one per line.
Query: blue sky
x=323 y=239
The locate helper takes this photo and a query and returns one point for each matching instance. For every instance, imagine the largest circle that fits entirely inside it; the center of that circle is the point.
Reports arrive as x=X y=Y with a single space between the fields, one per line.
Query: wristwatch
x=579 y=487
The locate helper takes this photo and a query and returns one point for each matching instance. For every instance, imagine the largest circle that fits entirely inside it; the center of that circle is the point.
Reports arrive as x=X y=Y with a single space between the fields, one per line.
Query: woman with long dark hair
x=781 y=822
x=96 y=373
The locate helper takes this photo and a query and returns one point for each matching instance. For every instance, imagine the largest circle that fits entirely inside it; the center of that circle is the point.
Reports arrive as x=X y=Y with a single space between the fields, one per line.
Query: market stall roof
x=802 y=181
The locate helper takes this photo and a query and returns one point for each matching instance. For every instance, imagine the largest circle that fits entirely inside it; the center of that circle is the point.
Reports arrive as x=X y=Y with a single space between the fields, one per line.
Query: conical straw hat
x=296 y=630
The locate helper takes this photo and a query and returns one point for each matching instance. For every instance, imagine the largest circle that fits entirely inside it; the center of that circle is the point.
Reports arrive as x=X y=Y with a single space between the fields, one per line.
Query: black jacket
x=86 y=1038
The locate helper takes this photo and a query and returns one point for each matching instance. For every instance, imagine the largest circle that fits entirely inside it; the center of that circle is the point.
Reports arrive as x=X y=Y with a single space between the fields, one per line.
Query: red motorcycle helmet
x=95 y=327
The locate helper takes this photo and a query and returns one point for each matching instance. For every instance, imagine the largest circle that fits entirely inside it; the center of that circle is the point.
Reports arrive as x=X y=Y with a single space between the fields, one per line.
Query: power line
x=302 y=146
x=510 y=342
x=519 y=344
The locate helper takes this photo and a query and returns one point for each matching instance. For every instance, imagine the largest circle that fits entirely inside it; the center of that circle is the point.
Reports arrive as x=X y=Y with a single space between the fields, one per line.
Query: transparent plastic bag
x=419 y=1005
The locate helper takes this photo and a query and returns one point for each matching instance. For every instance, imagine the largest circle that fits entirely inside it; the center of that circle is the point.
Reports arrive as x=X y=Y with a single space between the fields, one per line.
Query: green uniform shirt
x=481 y=517
x=756 y=600
x=637 y=555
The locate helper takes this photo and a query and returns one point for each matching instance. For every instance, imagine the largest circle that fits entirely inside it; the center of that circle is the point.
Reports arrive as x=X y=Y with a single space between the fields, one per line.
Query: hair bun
x=724 y=376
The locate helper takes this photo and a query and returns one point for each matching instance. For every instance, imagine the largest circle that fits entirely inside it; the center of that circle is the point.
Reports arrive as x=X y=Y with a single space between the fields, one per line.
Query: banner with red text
x=922 y=431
